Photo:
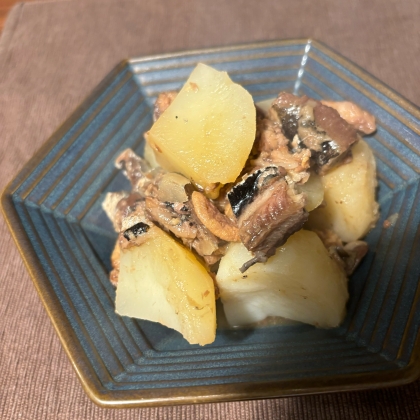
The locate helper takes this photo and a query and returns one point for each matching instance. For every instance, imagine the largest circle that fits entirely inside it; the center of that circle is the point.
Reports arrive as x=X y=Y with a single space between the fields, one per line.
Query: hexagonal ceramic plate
x=53 y=208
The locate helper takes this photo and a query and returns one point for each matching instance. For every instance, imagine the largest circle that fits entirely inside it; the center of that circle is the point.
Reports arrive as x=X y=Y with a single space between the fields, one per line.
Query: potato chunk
x=300 y=282
x=162 y=281
x=349 y=193
x=313 y=191
x=207 y=132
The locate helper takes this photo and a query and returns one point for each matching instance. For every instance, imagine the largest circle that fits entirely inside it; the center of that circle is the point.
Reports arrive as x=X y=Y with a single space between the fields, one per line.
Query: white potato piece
x=313 y=191
x=162 y=281
x=207 y=132
x=349 y=193
x=300 y=282
x=150 y=157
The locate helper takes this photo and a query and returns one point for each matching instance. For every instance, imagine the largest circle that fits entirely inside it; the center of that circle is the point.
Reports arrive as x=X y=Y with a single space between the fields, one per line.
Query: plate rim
x=199 y=394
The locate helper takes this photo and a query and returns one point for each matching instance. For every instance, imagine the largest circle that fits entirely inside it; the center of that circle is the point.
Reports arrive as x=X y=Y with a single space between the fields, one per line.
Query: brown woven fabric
x=51 y=57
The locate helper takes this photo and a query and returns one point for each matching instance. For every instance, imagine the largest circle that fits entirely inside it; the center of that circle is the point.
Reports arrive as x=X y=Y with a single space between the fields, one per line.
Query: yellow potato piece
x=349 y=195
x=162 y=281
x=207 y=132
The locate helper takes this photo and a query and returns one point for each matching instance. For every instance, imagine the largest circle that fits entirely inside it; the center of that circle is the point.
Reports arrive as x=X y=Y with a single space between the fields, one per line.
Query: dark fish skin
x=244 y=193
x=136 y=230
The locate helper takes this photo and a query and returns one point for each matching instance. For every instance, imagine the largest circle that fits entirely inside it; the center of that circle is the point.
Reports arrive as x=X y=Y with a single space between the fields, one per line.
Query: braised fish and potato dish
x=263 y=206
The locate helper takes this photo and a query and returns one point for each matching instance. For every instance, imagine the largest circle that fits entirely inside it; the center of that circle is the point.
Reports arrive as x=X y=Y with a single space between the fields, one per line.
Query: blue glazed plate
x=53 y=208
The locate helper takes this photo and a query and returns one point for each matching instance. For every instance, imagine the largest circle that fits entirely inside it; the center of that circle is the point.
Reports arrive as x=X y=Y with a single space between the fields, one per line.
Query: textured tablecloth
x=51 y=57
